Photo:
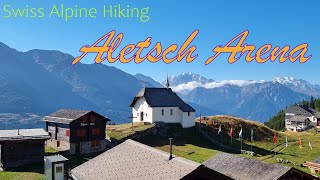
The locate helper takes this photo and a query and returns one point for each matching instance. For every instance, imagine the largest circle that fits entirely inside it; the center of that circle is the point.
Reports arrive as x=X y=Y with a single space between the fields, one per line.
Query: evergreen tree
x=276 y=122
x=305 y=103
x=317 y=104
x=312 y=102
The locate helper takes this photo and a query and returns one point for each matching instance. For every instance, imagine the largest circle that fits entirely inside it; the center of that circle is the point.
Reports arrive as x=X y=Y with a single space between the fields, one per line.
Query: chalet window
x=188 y=113
x=162 y=112
x=67 y=132
x=95 y=131
x=95 y=143
x=171 y=112
x=81 y=132
x=92 y=118
x=84 y=119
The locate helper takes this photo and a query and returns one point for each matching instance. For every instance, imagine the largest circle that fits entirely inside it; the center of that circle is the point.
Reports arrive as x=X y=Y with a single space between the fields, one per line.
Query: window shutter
x=92 y=118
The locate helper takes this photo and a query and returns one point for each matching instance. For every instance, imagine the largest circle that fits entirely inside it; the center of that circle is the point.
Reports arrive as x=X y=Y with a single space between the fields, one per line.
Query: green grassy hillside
x=263 y=145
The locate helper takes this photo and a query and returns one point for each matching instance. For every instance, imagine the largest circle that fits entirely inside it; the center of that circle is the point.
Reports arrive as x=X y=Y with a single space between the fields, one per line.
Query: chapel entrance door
x=141 y=116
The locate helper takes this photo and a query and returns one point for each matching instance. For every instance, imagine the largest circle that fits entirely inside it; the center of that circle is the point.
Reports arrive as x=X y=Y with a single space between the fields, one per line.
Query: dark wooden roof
x=23 y=134
x=238 y=167
x=299 y=110
x=66 y=116
x=162 y=97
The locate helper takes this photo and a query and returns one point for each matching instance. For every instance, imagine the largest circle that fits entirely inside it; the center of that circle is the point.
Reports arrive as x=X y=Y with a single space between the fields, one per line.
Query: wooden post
x=132 y=121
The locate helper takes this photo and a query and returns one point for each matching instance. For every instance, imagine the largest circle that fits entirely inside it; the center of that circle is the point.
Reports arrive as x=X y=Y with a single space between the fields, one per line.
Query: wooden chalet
x=77 y=131
x=21 y=147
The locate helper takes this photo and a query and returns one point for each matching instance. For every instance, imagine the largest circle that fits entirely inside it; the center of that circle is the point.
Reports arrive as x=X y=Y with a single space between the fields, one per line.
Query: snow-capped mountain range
x=252 y=99
x=187 y=82
x=38 y=82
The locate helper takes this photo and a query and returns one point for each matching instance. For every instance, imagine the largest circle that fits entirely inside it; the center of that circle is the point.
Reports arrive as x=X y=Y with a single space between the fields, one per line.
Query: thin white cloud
x=192 y=85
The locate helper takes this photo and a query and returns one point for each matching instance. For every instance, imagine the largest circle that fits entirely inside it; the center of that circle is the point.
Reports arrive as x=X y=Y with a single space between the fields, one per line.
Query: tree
x=276 y=122
x=317 y=104
x=305 y=103
x=312 y=102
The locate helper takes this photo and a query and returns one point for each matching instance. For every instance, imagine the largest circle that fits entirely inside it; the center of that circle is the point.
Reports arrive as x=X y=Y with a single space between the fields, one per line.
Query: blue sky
x=276 y=22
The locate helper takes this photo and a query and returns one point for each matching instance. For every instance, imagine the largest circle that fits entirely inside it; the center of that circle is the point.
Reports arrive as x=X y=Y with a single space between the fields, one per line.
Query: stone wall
x=64 y=146
x=85 y=147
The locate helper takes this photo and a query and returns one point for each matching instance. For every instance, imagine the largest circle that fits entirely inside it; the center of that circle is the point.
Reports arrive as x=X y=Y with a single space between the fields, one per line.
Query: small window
x=81 y=132
x=162 y=112
x=171 y=112
x=95 y=131
x=58 y=143
x=137 y=114
x=84 y=119
x=67 y=132
x=188 y=113
x=95 y=143
x=59 y=169
x=92 y=118
x=146 y=114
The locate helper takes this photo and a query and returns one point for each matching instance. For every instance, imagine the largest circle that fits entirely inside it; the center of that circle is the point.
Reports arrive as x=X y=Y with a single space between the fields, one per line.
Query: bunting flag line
x=287 y=142
x=310 y=145
x=275 y=138
x=219 y=129
x=300 y=143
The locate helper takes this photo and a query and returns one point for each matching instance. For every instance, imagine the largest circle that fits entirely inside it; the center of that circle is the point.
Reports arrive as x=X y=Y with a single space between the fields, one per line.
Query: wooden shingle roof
x=66 y=116
x=162 y=97
x=243 y=168
x=132 y=160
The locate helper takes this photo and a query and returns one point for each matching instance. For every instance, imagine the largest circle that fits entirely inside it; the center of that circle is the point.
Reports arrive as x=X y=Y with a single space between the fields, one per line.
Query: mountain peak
x=284 y=79
x=188 y=77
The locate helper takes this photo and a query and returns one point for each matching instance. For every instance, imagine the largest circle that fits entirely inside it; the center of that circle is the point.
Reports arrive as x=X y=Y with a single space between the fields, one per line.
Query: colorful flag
x=287 y=142
x=240 y=134
x=275 y=138
x=251 y=134
x=310 y=145
x=219 y=129
x=300 y=143
x=230 y=134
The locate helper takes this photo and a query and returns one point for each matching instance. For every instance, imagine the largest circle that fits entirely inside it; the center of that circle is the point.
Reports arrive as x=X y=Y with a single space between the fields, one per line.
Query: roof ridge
x=254 y=160
x=163 y=153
